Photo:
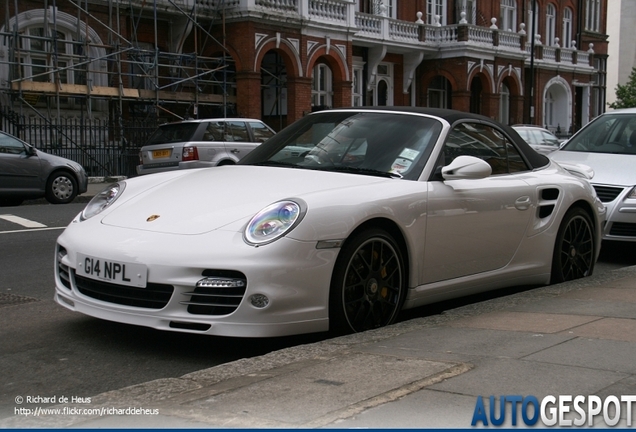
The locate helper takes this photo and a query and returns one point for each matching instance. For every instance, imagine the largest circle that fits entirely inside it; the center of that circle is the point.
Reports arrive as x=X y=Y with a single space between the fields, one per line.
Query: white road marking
x=32 y=229
x=22 y=221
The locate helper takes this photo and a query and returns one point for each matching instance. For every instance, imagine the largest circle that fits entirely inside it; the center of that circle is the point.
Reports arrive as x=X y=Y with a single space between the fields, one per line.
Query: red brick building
x=279 y=59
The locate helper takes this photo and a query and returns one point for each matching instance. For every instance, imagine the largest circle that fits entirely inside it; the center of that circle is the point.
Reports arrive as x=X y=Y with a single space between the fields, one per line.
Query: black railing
x=103 y=147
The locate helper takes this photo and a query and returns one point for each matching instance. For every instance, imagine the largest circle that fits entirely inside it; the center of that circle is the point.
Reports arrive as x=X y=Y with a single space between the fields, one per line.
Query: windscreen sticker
x=408 y=153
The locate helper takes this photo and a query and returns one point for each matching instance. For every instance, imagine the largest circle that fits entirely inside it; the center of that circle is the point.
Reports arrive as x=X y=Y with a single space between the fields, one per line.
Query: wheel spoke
x=372 y=285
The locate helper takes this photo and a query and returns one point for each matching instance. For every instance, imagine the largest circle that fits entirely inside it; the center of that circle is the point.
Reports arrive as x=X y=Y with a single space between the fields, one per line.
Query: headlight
x=632 y=193
x=274 y=221
x=102 y=200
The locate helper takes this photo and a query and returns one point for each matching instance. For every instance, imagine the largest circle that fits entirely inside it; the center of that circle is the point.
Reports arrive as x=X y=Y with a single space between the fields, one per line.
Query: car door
x=476 y=225
x=237 y=139
x=19 y=166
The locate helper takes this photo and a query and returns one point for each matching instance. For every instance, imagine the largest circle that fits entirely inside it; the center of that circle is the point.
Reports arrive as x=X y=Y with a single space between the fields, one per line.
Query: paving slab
x=524 y=321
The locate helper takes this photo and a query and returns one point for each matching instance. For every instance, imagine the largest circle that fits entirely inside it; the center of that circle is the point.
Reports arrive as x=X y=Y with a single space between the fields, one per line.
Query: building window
x=533 y=19
x=504 y=104
x=321 y=87
x=469 y=7
x=357 y=91
x=592 y=15
x=383 y=92
x=50 y=56
x=435 y=8
x=508 y=15
x=566 y=40
x=550 y=24
x=438 y=93
x=548 y=110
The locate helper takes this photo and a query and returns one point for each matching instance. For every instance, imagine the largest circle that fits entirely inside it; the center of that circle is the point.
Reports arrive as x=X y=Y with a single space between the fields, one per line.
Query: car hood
x=202 y=200
x=610 y=169
x=58 y=161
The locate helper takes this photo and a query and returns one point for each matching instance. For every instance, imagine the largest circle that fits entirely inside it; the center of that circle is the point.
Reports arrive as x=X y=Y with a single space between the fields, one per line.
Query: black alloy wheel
x=574 y=248
x=368 y=286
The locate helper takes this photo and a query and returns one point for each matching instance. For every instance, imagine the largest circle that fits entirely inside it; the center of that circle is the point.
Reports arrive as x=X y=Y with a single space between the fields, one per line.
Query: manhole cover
x=12 y=299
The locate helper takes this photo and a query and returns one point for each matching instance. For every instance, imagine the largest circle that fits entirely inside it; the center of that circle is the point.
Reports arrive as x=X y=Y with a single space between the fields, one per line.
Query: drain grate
x=13 y=299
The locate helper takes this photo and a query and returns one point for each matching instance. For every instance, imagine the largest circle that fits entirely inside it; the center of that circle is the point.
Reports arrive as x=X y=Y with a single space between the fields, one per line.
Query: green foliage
x=626 y=94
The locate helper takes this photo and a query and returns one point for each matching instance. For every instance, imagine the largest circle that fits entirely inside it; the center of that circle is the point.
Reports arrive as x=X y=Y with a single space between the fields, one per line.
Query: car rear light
x=190 y=154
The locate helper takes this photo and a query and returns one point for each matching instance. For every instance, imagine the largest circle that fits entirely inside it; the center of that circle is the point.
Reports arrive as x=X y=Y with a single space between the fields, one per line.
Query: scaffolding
x=114 y=92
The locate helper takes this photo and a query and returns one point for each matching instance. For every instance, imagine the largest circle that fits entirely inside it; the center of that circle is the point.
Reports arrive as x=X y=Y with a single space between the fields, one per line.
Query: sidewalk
x=575 y=338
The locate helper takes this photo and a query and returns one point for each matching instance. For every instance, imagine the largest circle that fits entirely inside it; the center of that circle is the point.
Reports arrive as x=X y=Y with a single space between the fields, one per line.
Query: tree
x=626 y=94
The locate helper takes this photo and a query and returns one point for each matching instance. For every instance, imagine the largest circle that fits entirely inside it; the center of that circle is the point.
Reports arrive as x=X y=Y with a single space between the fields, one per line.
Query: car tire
x=574 y=250
x=368 y=286
x=61 y=188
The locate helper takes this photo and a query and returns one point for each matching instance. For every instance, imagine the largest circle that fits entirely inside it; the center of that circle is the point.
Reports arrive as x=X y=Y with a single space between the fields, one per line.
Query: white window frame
x=384 y=73
x=322 y=89
x=592 y=15
x=566 y=41
x=435 y=7
x=357 y=84
x=533 y=17
x=548 y=109
x=550 y=24
x=508 y=15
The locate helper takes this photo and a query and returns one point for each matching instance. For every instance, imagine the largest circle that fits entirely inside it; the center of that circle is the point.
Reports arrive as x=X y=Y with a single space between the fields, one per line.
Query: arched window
x=508 y=15
x=50 y=55
x=550 y=24
x=566 y=39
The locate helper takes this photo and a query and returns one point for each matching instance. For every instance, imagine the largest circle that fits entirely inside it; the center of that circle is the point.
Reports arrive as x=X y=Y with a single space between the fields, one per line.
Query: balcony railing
x=377 y=27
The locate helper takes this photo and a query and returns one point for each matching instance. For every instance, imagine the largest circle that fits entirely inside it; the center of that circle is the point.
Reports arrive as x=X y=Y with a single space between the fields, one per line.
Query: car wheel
x=61 y=188
x=574 y=249
x=368 y=286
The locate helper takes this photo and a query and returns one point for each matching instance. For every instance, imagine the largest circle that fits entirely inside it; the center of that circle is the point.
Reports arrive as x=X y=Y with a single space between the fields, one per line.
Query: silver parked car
x=27 y=173
x=607 y=145
x=540 y=139
x=201 y=143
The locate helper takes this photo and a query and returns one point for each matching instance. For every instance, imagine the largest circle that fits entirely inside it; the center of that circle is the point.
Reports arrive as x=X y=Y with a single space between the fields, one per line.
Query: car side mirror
x=466 y=167
x=30 y=151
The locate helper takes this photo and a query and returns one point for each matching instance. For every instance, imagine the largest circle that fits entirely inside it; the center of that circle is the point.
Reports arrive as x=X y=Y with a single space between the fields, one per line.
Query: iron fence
x=103 y=147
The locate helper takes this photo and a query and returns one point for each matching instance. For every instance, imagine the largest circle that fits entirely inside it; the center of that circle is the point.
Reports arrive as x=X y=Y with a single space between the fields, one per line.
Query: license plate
x=117 y=272
x=160 y=154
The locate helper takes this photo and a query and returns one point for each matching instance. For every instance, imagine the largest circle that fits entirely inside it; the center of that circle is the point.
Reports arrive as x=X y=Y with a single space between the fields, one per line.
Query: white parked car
x=201 y=143
x=607 y=145
x=388 y=209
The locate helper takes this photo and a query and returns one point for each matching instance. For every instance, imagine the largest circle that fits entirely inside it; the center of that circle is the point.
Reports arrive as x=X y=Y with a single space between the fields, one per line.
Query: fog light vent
x=218 y=282
x=218 y=293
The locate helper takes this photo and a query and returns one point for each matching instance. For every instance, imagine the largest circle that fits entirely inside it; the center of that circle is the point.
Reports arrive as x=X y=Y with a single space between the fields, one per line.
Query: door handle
x=523 y=203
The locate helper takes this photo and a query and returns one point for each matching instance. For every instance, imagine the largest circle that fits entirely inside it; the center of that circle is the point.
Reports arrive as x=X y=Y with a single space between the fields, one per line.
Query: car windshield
x=537 y=137
x=369 y=143
x=609 y=133
x=171 y=133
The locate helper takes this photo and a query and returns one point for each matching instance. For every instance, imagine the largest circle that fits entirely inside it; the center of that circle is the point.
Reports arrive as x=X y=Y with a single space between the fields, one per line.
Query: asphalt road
x=48 y=350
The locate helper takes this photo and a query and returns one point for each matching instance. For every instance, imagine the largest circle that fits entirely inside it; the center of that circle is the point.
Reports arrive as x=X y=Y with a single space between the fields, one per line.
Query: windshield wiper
x=365 y=171
x=277 y=164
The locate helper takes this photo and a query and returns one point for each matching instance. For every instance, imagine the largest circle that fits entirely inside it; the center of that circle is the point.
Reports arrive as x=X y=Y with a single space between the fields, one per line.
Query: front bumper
x=620 y=218
x=294 y=277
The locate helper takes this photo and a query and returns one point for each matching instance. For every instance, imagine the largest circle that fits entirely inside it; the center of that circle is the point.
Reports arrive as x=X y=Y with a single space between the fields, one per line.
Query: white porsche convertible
x=340 y=221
